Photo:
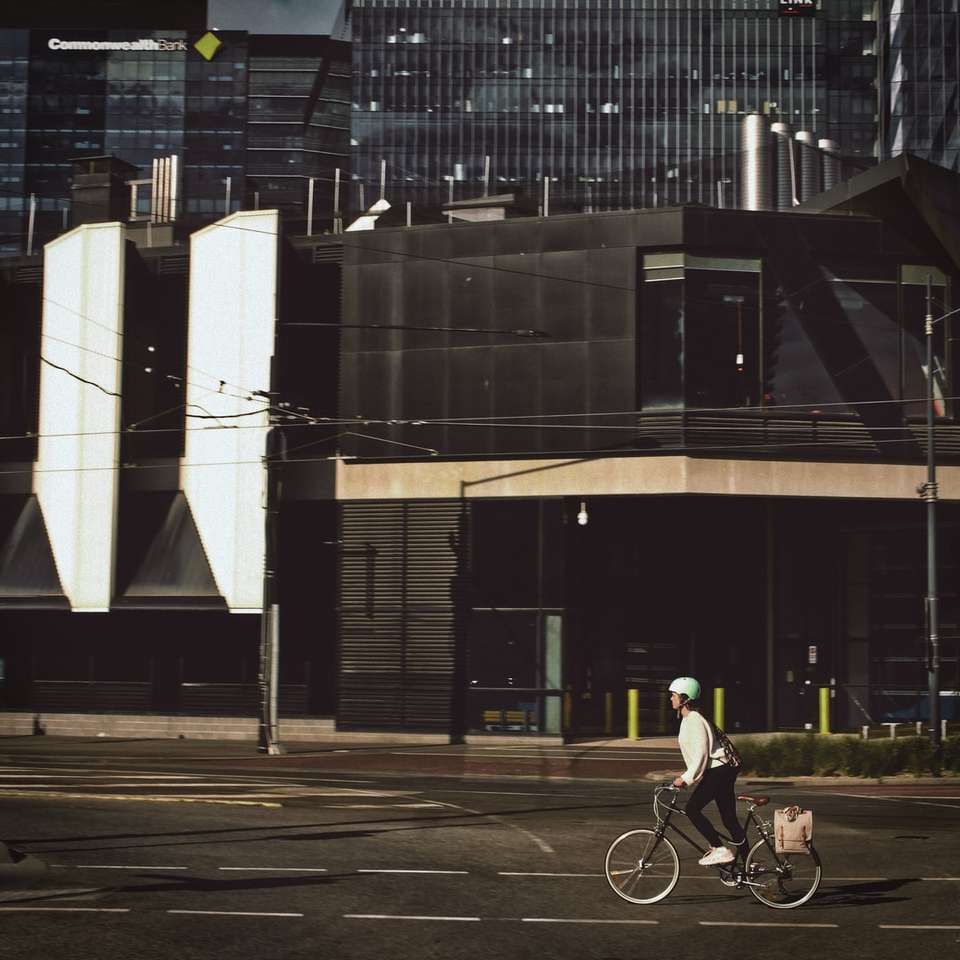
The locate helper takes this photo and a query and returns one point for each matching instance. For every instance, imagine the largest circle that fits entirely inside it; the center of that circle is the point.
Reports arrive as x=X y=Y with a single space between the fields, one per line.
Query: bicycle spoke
x=782 y=882
x=640 y=867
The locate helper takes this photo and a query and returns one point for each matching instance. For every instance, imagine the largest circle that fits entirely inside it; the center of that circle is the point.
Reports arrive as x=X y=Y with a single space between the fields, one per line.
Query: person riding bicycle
x=706 y=768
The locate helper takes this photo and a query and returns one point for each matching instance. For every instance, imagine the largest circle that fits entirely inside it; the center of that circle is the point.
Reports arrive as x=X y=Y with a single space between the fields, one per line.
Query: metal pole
x=310 y=207
x=337 y=228
x=31 y=218
x=546 y=196
x=486 y=176
x=929 y=490
x=226 y=199
x=269 y=616
x=450 y=198
x=383 y=178
x=256 y=199
x=409 y=213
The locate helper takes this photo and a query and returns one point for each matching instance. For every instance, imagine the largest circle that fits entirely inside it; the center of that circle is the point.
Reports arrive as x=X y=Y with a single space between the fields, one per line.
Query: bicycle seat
x=757 y=801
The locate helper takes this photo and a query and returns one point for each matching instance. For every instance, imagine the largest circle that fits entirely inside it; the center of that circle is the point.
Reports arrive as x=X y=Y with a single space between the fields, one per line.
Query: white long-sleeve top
x=698 y=746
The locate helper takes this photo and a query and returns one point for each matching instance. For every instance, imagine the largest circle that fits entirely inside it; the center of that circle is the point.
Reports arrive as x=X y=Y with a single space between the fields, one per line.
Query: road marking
x=575 y=920
x=917 y=926
x=97 y=776
x=395 y=916
x=527 y=756
x=739 y=923
x=377 y=870
x=913 y=800
x=511 y=873
x=516 y=793
x=494 y=818
x=280 y=869
x=65 y=909
x=377 y=806
x=112 y=866
x=58 y=795
x=232 y=913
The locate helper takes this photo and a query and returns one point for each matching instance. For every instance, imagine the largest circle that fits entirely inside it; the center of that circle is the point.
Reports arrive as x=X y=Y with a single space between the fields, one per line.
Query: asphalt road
x=206 y=852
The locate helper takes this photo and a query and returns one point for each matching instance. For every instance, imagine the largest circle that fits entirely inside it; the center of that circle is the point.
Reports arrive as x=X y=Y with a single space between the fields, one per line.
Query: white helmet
x=686 y=686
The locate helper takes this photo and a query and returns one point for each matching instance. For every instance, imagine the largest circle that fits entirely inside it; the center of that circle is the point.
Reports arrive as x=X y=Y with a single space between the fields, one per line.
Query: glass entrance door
x=514 y=671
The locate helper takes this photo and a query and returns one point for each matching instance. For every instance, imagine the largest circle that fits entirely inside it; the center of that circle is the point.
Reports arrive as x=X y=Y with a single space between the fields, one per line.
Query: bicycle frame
x=664 y=824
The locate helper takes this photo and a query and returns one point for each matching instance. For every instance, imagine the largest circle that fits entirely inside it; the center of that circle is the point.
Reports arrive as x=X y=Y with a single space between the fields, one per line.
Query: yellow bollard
x=608 y=712
x=567 y=710
x=824 y=709
x=633 y=714
x=718 y=704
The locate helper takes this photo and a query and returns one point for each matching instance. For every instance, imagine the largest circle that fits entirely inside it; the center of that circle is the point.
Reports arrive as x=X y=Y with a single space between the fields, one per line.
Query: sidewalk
x=588 y=759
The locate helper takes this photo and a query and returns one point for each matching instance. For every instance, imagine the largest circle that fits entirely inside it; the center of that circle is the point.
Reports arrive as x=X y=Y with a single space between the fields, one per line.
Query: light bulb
x=582 y=517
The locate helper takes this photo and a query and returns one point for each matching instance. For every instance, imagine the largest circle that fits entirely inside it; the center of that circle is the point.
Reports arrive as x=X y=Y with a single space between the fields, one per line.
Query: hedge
x=795 y=755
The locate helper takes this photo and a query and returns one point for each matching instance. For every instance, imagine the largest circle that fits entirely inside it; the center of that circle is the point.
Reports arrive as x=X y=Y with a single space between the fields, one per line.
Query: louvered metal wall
x=400 y=603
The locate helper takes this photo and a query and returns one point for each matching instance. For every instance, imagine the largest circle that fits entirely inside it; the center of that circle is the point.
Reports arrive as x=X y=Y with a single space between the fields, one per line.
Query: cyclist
x=706 y=768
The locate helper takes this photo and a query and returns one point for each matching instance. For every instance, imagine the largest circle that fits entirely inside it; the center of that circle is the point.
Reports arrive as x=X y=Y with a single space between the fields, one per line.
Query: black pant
x=717 y=784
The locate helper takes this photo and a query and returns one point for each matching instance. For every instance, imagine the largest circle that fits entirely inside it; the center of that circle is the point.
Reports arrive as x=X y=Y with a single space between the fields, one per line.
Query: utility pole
x=929 y=493
x=269 y=740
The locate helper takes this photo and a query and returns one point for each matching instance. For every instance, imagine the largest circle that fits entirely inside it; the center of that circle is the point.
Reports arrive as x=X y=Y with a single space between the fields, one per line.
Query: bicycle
x=642 y=866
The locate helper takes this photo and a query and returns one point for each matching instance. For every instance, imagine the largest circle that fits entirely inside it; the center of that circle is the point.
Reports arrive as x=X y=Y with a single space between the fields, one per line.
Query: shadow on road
x=273 y=832
x=866 y=894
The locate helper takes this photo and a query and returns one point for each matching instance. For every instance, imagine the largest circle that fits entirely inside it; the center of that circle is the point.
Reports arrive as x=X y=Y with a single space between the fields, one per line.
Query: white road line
x=395 y=916
x=280 y=869
x=377 y=870
x=516 y=793
x=65 y=909
x=575 y=920
x=232 y=913
x=377 y=806
x=111 y=866
x=97 y=776
x=524 y=756
x=739 y=923
x=226 y=800
x=917 y=926
x=511 y=873
x=912 y=800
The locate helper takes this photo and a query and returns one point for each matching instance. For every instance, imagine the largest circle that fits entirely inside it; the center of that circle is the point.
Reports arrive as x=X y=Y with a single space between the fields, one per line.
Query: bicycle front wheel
x=784 y=881
x=641 y=867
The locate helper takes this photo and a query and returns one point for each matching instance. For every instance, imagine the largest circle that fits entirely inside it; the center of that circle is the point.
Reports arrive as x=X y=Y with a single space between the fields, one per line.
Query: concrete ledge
x=176 y=727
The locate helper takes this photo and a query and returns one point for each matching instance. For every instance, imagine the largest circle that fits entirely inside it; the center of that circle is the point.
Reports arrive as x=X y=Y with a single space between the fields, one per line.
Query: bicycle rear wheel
x=784 y=881
x=640 y=867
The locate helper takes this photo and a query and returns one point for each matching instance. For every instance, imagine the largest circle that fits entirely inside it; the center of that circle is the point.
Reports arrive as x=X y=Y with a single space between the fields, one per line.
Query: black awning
x=161 y=563
x=28 y=573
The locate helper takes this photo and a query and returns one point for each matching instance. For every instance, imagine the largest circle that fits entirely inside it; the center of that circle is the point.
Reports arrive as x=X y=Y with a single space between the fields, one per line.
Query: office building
x=617 y=106
x=592 y=452
x=248 y=120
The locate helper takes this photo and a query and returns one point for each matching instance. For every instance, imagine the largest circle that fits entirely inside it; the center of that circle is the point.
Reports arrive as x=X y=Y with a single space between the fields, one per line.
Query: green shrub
x=829 y=756
x=951 y=754
x=795 y=755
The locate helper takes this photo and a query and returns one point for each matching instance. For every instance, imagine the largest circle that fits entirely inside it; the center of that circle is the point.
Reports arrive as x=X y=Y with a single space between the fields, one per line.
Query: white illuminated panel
x=76 y=475
x=233 y=305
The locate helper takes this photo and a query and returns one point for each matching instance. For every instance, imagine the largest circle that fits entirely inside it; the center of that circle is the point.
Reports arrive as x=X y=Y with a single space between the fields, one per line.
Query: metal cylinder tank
x=830 y=163
x=785 y=181
x=809 y=166
x=756 y=191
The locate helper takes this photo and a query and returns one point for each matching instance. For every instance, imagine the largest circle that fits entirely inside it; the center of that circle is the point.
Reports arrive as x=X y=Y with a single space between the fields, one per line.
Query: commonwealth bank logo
x=208 y=45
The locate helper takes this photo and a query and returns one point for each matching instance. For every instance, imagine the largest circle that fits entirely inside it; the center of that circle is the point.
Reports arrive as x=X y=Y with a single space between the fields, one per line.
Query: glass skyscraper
x=922 y=50
x=632 y=104
x=263 y=114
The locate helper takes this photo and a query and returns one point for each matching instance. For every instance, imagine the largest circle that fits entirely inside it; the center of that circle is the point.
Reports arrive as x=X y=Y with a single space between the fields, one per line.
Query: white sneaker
x=716 y=856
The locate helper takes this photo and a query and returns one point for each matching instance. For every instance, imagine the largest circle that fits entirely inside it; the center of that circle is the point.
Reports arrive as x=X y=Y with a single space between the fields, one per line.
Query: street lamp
x=928 y=491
